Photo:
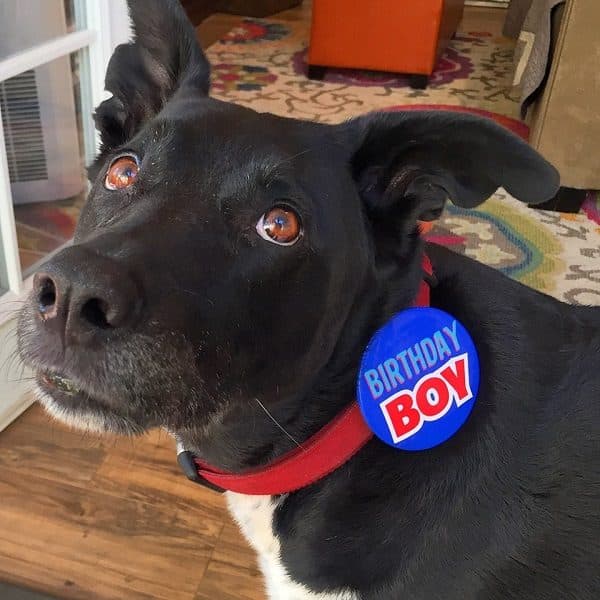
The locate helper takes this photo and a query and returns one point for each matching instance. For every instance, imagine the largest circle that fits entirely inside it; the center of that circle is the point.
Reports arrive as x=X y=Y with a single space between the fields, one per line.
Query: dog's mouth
x=72 y=404
x=57 y=390
x=54 y=382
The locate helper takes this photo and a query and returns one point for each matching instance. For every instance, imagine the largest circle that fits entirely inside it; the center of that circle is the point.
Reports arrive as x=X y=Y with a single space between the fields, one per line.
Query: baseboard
x=15 y=379
x=10 y=412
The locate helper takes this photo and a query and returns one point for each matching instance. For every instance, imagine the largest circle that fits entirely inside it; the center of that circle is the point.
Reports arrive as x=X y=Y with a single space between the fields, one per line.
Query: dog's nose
x=80 y=293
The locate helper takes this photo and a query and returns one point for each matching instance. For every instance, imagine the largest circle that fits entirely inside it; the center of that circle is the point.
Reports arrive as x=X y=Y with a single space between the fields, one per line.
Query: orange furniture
x=405 y=36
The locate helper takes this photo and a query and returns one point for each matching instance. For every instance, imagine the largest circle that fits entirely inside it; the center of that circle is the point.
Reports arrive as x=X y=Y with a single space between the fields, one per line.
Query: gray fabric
x=532 y=54
x=9 y=592
x=515 y=17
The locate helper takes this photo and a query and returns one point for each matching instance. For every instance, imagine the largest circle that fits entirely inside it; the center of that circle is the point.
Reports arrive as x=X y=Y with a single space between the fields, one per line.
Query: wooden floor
x=114 y=519
x=86 y=518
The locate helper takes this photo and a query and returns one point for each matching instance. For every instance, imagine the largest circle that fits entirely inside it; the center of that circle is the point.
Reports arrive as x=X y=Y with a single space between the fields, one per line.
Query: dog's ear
x=163 y=57
x=407 y=164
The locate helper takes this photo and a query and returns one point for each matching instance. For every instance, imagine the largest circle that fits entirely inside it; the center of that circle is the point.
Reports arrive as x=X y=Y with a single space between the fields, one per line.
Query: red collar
x=319 y=456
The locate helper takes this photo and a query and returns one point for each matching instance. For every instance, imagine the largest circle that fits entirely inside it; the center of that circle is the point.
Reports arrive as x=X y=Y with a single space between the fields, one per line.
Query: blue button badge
x=418 y=379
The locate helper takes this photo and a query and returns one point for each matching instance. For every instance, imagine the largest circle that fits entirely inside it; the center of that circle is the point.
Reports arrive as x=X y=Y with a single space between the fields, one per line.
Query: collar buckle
x=187 y=462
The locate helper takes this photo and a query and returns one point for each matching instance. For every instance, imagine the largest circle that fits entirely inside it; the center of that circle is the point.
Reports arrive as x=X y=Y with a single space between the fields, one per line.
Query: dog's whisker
x=290 y=159
x=20 y=379
x=9 y=362
x=180 y=289
x=279 y=425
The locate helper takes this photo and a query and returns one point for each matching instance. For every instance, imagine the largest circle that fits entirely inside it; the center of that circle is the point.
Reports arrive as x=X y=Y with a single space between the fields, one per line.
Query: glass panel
x=43 y=131
x=27 y=23
x=3 y=279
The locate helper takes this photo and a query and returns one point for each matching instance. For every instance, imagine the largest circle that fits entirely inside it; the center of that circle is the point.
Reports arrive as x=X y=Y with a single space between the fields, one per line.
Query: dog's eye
x=122 y=173
x=280 y=225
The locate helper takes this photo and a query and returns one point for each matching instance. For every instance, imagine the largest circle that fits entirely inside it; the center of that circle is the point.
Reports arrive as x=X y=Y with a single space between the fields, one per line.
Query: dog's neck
x=254 y=434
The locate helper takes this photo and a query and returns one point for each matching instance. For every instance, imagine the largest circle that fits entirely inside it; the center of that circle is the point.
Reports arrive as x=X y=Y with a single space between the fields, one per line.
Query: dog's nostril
x=95 y=312
x=46 y=297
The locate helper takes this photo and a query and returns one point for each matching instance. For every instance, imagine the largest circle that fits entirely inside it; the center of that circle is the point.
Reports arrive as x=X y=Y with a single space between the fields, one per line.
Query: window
x=53 y=55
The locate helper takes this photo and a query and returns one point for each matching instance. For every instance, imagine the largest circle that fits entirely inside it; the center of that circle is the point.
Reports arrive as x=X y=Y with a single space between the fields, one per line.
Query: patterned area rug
x=43 y=227
x=262 y=64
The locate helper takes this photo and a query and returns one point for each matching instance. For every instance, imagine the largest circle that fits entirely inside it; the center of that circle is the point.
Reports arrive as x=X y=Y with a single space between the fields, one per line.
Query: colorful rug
x=262 y=64
x=43 y=227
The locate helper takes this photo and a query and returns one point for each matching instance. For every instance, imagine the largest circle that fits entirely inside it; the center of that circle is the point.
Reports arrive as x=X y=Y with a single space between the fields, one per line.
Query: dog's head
x=225 y=256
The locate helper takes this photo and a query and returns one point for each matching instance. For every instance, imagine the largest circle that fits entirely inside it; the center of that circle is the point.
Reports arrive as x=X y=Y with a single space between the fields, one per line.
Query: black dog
x=229 y=263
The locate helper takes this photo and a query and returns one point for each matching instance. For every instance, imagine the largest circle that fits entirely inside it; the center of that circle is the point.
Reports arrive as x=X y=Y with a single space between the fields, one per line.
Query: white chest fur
x=254 y=515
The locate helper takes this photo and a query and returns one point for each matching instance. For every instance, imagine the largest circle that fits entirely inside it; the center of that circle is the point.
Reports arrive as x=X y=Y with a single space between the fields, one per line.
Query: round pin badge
x=418 y=379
